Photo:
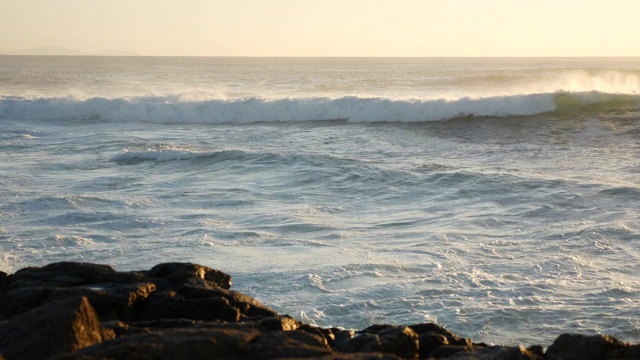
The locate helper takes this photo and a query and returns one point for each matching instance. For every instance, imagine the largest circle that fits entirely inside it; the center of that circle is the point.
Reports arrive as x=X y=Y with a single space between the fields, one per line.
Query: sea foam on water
x=497 y=197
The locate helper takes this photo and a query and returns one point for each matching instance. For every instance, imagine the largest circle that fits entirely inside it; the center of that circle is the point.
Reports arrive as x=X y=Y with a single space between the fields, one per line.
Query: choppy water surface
x=335 y=197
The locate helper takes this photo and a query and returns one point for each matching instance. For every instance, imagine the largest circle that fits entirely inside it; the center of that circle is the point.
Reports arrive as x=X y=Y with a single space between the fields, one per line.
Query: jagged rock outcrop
x=187 y=311
x=594 y=347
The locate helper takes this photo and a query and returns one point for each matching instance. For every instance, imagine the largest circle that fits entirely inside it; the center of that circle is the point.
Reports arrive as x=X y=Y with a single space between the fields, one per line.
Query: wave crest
x=169 y=109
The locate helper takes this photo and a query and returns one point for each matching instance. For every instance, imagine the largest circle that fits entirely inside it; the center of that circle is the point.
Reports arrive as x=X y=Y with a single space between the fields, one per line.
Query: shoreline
x=71 y=310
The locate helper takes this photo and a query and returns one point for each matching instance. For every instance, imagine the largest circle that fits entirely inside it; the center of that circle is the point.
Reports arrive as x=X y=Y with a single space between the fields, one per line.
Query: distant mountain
x=65 y=51
x=116 y=53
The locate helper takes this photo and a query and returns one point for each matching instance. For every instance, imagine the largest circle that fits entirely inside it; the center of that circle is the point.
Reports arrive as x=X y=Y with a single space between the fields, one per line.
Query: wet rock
x=66 y=274
x=327 y=334
x=203 y=304
x=169 y=304
x=111 y=301
x=177 y=274
x=432 y=336
x=280 y=344
x=343 y=335
x=246 y=305
x=431 y=328
x=357 y=356
x=55 y=328
x=450 y=351
x=585 y=347
x=398 y=340
x=161 y=305
x=171 y=344
x=119 y=328
x=198 y=344
x=138 y=327
x=499 y=353
x=279 y=323
x=213 y=308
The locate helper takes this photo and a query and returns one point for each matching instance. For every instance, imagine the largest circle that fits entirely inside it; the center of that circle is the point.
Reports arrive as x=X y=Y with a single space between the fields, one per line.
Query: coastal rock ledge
x=88 y=311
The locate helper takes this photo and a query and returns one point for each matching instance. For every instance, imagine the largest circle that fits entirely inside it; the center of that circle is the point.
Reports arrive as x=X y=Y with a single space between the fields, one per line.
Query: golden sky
x=326 y=27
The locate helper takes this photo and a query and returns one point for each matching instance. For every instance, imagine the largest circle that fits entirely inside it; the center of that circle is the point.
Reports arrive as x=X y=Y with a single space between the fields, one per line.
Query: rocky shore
x=186 y=311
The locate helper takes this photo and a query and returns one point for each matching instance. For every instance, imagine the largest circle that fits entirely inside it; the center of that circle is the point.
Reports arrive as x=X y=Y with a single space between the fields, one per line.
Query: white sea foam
x=478 y=225
x=251 y=110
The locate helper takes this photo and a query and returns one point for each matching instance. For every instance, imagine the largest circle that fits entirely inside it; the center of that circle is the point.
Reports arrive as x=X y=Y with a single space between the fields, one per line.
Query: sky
x=323 y=27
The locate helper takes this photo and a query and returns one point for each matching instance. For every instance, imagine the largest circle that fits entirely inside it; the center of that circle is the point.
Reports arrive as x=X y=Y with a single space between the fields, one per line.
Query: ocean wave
x=171 y=109
x=165 y=153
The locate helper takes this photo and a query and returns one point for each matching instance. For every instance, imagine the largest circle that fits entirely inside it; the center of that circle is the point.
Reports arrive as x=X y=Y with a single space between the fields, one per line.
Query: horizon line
x=342 y=57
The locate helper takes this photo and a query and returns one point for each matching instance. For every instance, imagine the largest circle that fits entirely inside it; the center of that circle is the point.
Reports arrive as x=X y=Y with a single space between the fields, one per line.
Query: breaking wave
x=171 y=109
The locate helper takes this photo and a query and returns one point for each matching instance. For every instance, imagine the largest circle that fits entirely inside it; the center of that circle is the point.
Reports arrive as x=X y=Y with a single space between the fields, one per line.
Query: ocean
x=498 y=197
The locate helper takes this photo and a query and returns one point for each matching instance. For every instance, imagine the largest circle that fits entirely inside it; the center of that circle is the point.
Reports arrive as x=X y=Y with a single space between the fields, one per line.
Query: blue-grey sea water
x=497 y=197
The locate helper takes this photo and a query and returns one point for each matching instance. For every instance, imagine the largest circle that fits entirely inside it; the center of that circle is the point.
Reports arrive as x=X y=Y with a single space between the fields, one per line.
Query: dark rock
x=432 y=336
x=110 y=300
x=280 y=344
x=376 y=328
x=203 y=303
x=19 y=301
x=246 y=305
x=171 y=344
x=169 y=304
x=359 y=343
x=55 y=328
x=430 y=342
x=279 y=323
x=431 y=328
x=536 y=350
x=213 y=308
x=397 y=340
x=401 y=341
x=179 y=273
x=356 y=356
x=327 y=334
x=66 y=274
x=198 y=344
x=448 y=351
x=584 y=347
x=498 y=353
x=633 y=352
x=138 y=327
x=120 y=328
x=4 y=280
x=161 y=305
x=343 y=335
